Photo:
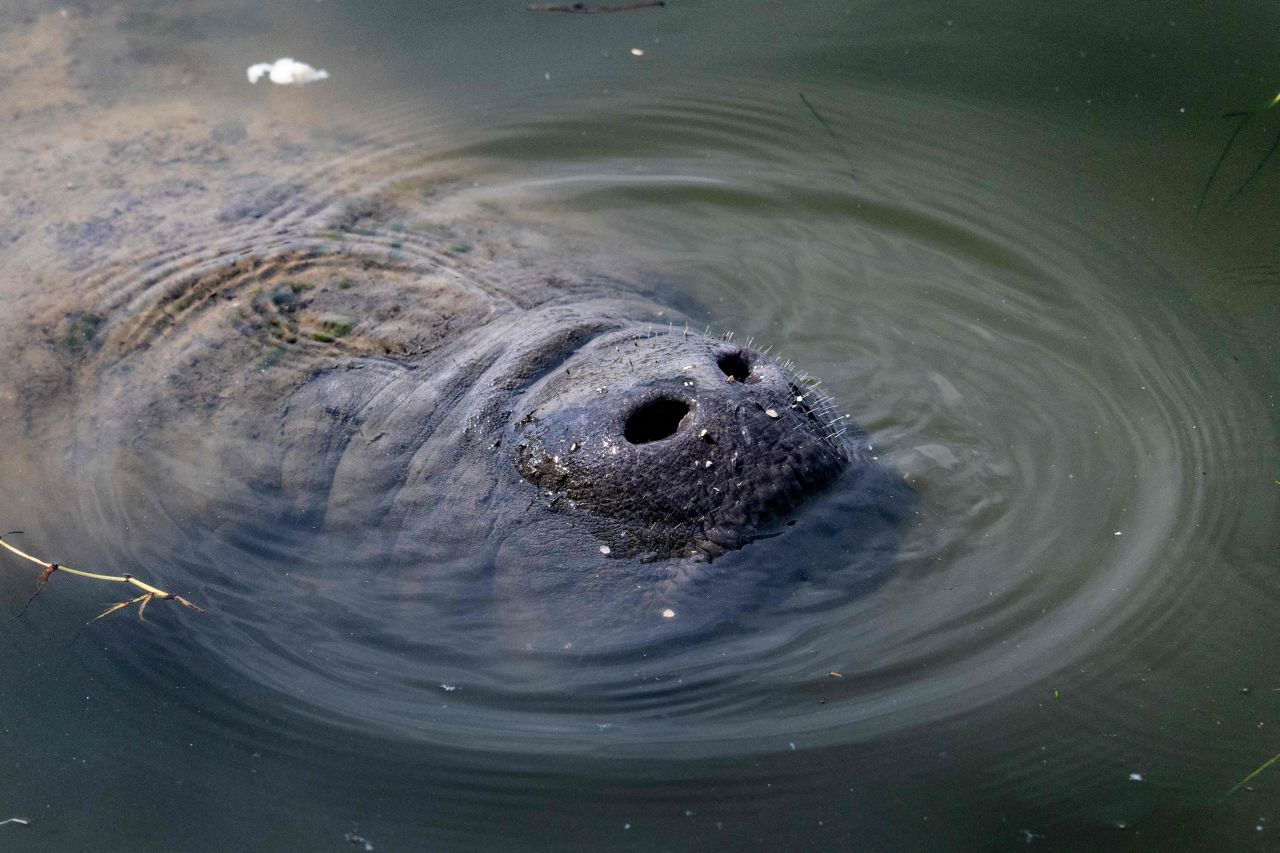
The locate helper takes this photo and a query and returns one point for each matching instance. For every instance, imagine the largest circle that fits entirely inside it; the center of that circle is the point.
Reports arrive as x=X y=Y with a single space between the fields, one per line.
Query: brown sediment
x=35 y=64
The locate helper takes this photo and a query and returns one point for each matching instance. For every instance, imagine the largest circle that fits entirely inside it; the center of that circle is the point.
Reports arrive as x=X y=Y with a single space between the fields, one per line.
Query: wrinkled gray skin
x=670 y=443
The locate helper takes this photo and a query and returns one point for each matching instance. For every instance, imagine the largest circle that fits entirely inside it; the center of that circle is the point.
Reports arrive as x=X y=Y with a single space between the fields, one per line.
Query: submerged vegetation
x=149 y=592
x=1242 y=118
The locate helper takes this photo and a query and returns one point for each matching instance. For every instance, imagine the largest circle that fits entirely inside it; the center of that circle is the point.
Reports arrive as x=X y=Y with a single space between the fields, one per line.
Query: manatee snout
x=676 y=444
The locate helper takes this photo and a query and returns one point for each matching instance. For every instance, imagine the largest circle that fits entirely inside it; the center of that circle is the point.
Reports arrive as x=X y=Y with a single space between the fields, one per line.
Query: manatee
x=574 y=434
x=239 y=358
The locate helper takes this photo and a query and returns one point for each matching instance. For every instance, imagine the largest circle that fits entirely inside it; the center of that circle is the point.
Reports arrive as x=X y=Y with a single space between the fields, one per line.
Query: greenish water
x=976 y=222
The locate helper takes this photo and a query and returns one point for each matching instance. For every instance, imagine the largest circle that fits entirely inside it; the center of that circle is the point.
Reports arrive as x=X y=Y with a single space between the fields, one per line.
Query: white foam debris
x=668 y=614
x=359 y=841
x=1135 y=777
x=286 y=72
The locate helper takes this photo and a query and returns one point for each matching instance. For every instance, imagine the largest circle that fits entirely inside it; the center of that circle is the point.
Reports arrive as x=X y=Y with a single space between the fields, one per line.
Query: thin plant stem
x=1275 y=144
x=149 y=593
x=1244 y=116
x=853 y=172
x=1254 y=775
x=1231 y=140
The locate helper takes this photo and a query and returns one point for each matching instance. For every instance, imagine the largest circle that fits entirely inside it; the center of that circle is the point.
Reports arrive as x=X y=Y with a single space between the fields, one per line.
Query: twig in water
x=18 y=820
x=149 y=592
x=584 y=9
x=853 y=172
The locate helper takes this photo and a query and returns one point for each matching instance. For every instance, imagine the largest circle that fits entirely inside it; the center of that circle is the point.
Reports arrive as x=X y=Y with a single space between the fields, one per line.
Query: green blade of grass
x=1254 y=775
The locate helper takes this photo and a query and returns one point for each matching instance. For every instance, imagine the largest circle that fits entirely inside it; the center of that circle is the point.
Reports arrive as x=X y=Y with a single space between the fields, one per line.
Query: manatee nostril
x=735 y=366
x=655 y=420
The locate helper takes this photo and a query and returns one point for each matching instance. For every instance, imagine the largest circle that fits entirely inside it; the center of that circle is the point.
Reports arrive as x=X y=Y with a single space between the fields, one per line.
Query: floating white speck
x=635 y=51
x=605 y=549
x=1117 y=532
x=286 y=72
x=773 y=413
x=1135 y=777
x=359 y=841
x=668 y=614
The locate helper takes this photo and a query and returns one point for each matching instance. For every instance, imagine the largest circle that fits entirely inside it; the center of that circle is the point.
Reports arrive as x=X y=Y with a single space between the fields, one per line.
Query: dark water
x=979 y=224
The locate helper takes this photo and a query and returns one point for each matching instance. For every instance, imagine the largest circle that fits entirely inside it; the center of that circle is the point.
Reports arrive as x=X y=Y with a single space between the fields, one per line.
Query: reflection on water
x=1074 y=373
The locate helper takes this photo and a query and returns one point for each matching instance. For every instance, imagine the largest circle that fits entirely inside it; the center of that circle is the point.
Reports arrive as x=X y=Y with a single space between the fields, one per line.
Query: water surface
x=977 y=225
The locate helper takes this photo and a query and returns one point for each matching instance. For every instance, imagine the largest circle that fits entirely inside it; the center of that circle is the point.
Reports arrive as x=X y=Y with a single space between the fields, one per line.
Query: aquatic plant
x=149 y=592
x=1254 y=775
x=1243 y=117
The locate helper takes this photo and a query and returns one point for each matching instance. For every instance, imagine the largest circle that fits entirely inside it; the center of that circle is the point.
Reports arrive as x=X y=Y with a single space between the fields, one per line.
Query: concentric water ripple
x=1044 y=388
